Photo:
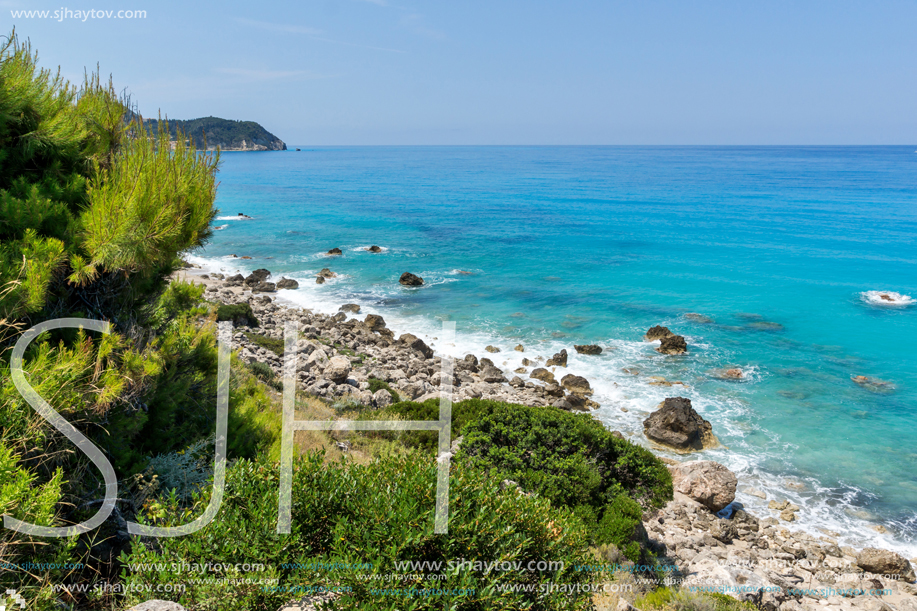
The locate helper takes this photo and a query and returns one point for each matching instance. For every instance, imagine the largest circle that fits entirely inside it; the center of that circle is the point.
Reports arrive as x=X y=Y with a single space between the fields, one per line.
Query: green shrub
x=375 y=385
x=620 y=526
x=379 y=514
x=262 y=371
x=263 y=341
x=185 y=471
x=255 y=422
x=239 y=313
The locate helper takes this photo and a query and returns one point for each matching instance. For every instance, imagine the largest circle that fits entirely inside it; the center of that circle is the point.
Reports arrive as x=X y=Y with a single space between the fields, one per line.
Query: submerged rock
x=591 y=349
x=674 y=344
x=699 y=318
x=707 y=482
x=677 y=425
x=657 y=333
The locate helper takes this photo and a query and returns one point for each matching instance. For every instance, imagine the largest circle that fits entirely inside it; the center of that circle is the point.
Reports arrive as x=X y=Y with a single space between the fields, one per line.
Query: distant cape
x=211 y=133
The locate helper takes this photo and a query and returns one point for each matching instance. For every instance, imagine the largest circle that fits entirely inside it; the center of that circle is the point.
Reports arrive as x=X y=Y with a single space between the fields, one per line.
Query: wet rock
x=674 y=344
x=885 y=562
x=350 y=307
x=677 y=425
x=590 y=349
x=287 y=283
x=542 y=374
x=492 y=349
x=730 y=374
x=319 y=280
x=699 y=318
x=577 y=385
x=492 y=375
x=707 y=482
x=409 y=279
x=256 y=277
x=374 y=248
x=657 y=333
x=335 y=251
x=519 y=348
x=327 y=273
x=558 y=360
x=264 y=287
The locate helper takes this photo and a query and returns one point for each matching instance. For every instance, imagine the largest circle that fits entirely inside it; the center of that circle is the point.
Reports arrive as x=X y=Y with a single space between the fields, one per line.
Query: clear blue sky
x=509 y=72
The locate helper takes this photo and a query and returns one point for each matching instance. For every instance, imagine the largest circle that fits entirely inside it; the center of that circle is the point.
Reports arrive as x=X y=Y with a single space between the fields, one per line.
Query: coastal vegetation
x=96 y=214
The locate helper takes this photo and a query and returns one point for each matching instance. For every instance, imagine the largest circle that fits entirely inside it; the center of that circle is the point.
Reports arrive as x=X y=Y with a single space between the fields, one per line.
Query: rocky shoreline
x=714 y=543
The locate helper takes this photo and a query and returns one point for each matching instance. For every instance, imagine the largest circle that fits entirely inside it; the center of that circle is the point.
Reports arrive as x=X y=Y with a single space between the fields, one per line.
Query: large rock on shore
x=256 y=277
x=707 y=482
x=884 y=562
x=409 y=279
x=558 y=360
x=591 y=349
x=415 y=343
x=374 y=322
x=674 y=344
x=287 y=283
x=338 y=369
x=657 y=333
x=542 y=374
x=236 y=280
x=677 y=425
x=578 y=385
x=264 y=287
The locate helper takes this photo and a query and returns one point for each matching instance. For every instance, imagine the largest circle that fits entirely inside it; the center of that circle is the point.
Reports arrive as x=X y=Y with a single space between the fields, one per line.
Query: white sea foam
x=234 y=218
x=887 y=299
x=365 y=248
x=220 y=227
x=823 y=508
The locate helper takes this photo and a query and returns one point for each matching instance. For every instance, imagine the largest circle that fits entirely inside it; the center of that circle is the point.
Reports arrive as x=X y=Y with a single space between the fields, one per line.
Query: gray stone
x=707 y=482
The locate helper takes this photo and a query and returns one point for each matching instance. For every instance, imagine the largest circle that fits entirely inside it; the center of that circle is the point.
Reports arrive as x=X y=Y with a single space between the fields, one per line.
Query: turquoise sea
x=776 y=245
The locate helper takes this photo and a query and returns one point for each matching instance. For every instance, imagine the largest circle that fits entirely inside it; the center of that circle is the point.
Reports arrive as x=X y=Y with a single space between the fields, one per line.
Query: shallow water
x=776 y=246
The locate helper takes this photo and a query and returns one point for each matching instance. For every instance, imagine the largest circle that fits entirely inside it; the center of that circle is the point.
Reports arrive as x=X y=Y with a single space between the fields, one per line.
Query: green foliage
x=185 y=471
x=156 y=200
x=22 y=497
x=570 y=458
x=620 y=526
x=255 y=422
x=238 y=313
x=375 y=385
x=685 y=599
x=380 y=513
x=263 y=341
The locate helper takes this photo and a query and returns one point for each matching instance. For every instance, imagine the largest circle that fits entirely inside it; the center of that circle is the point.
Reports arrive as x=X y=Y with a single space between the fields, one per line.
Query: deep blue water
x=596 y=244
